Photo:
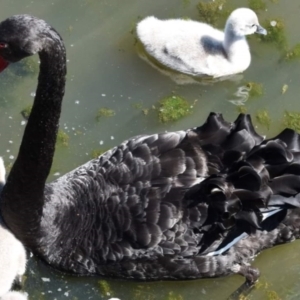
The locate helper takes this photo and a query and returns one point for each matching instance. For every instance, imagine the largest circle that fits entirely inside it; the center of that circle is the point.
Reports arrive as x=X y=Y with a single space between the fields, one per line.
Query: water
x=104 y=70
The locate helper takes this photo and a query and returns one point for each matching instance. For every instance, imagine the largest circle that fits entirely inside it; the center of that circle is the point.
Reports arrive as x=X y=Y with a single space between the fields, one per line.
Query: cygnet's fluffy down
x=12 y=255
x=199 y=49
x=14 y=296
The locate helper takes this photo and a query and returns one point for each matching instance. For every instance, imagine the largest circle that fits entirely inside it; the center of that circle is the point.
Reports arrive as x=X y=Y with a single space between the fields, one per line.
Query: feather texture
x=157 y=205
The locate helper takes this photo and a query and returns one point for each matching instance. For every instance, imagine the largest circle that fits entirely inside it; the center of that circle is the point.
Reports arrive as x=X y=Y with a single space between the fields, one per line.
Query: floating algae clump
x=145 y=111
x=257 y=4
x=173 y=108
x=242 y=109
x=263 y=118
x=62 y=138
x=265 y=287
x=143 y=291
x=97 y=152
x=276 y=33
x=105 y=288
x=25 y=112
x=255 y=89
x=292 y=120
x=211 y=11
x=105 y=112
x=137 y=105
x=272 y=295
x=172 y=296
x=293 y=53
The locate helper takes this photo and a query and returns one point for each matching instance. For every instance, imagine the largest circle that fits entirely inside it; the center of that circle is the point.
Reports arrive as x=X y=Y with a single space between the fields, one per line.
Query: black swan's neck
x=22 y=198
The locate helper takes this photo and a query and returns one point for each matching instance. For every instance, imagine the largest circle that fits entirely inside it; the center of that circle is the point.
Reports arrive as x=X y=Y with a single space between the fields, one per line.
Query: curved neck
x=22 y=198
x=231 y=37
x=236 y=48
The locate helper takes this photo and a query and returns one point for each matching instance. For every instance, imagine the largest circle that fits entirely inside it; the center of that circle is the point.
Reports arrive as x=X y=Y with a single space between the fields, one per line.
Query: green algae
x=255 y=89
x=78 y=132
x=143 y=291
x=173 y=108
x=97 y=152
x=105 y=112
x=173 y=296
x=276 y=33
x=292 y=120
x=272 y=295
x=293 y=53
x=62 y=138
x=137 y=105
x=263 y=118
x=257 y=5
x=210 y=12
x=26 y=111
x=241 y=109
x=266 y=288
x=145 y=111
x=105 y=288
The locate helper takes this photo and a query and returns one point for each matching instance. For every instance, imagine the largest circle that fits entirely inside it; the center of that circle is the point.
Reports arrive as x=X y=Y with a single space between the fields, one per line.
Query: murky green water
x=104 y=71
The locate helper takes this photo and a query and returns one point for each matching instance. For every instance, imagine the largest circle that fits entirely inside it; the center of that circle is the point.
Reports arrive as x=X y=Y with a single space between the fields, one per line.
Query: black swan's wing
x=254 y=185
x=176 y=195
x=130 y=199
x=117 y=205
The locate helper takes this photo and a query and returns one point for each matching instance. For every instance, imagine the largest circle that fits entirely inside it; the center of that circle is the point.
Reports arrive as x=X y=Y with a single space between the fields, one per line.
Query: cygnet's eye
x=253 y=25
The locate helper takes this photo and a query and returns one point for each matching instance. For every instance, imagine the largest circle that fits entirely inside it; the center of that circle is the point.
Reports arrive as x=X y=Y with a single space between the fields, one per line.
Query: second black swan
x=178 y=205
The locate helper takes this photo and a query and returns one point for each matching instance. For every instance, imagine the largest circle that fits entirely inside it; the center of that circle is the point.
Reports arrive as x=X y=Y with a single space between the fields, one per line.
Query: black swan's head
x=22 y=36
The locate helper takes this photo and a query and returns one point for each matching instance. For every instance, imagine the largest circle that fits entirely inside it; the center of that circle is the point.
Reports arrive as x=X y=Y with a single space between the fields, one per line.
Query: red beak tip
x=3 y=64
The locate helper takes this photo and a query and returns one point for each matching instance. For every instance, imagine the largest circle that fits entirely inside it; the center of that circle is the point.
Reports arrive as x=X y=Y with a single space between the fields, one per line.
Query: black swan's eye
x=3 y=45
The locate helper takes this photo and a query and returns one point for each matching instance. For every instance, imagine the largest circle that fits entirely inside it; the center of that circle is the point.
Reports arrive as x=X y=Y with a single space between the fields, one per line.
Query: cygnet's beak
x=261 y=30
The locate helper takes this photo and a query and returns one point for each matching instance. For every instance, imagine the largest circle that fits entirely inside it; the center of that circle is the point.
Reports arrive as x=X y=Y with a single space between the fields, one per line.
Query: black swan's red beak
x=3 y=64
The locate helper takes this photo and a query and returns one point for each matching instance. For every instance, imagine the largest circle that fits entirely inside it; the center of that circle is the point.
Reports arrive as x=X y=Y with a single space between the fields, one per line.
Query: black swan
x=178 y=205
x=12 y=256
x=199 y=49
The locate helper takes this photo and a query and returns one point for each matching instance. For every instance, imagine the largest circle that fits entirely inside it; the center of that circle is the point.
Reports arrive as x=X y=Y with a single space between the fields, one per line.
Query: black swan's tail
x=251 y=180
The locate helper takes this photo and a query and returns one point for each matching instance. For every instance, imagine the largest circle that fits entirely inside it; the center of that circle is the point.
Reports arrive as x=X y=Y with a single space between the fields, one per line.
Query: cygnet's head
x=244 y=21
